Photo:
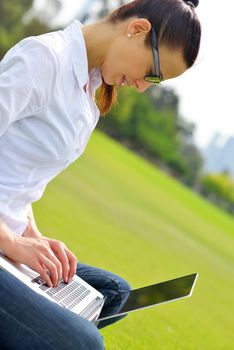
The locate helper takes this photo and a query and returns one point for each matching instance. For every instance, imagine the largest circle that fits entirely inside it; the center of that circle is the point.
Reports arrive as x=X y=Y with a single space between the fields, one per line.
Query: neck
x=98 y=37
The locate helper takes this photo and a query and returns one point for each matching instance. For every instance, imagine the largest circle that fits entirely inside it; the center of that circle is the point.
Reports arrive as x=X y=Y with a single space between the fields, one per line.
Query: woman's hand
x=49 y=257
x=65 y=256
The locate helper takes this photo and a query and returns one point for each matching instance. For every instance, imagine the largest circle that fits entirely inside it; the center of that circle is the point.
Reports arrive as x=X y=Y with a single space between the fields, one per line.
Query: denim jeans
x=28 y=321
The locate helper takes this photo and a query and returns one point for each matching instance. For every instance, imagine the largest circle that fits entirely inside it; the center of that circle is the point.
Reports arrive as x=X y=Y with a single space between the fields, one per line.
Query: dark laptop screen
x=156 y=294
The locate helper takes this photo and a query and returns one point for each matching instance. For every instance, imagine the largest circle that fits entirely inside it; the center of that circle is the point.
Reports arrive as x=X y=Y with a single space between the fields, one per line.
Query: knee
x=123 y=285
x=83 y=335
x=90 y=338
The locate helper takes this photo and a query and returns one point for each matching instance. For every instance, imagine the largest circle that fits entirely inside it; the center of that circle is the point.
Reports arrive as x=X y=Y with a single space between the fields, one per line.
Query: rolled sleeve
x=27 y=78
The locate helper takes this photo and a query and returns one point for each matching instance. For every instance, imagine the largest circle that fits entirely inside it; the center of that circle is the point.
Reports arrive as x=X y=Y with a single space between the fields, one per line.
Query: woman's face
x=128 y=60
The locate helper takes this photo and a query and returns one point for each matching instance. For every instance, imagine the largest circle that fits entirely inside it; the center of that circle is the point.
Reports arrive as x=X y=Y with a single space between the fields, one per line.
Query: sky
x=205 y=90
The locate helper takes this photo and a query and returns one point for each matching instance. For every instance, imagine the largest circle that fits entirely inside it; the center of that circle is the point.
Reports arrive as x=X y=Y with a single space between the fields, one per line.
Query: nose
x=142 y=85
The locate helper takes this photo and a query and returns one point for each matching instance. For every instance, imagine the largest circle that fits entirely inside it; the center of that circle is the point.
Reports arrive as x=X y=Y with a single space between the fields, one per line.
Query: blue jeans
x=28 y=321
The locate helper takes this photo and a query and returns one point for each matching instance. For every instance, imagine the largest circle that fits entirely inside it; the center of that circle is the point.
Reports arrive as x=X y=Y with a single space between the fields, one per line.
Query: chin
x=108 y=81
x=106 y=78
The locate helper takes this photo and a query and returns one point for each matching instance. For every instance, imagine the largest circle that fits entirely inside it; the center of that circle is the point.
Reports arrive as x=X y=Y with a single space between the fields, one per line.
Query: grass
x=116 y=211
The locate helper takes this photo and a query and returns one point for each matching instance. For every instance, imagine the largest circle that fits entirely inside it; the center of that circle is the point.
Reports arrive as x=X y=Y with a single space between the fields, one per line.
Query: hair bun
x=193 y=3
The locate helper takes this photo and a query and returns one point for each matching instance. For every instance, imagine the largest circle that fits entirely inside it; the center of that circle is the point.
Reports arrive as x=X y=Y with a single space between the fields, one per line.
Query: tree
x=11 y=27
x=194 y=163
x=18 y=19
x=219 y=189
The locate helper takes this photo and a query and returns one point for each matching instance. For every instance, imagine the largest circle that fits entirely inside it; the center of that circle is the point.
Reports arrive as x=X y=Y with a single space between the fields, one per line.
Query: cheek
x=137 y=69
x=140 y=63
x=132 y=63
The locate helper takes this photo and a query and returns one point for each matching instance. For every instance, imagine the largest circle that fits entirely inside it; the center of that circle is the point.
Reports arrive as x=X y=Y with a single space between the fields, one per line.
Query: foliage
x=194 y=162
x=11 y=29
x=18 y=20
x=219 y=188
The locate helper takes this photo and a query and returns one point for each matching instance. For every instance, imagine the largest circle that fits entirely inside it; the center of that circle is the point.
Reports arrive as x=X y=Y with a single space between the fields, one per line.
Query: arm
x=33 y=252
x=6 y=237
x=66 y=258
x=32 y=229
x=40 y=254
x=27 y=78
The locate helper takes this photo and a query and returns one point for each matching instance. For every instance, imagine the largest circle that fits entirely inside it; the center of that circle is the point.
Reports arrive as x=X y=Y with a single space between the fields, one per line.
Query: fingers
x=45 y=255
x=72 y=263
x=58 y=260
x=66 y=258
x=59 y=250
x=42 y=270
x=52 y=268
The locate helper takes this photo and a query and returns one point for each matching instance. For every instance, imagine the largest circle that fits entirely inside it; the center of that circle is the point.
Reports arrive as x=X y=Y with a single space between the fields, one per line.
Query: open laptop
x=81 y=298
x=77 y=296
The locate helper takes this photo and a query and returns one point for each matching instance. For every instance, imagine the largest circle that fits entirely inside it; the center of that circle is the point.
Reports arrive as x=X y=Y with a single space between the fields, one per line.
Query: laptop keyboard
x=68 y=295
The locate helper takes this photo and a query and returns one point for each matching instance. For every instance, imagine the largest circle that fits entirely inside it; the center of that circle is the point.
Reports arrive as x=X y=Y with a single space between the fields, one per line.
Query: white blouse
x=46 y=116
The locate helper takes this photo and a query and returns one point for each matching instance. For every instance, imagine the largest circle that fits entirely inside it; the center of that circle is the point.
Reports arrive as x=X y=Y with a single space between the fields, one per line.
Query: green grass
x=118 y=212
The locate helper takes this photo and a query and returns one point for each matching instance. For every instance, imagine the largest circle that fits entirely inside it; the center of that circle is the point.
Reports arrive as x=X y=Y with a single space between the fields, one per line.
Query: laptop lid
x=155 y=294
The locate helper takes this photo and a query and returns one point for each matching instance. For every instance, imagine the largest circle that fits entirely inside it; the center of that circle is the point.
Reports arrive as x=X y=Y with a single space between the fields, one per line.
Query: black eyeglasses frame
x=154 y=78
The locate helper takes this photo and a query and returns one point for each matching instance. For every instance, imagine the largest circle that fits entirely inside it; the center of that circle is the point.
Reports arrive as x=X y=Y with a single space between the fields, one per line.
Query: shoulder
x=30 y=56
x=57 y=44
x=44 y=52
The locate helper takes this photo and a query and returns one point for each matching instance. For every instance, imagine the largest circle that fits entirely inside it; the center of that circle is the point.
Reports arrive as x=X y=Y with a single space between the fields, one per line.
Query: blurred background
x=153 y=196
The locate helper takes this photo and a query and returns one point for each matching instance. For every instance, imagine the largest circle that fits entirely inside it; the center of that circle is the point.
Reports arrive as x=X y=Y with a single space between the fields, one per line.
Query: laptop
x=81 y=298
x=77 y=296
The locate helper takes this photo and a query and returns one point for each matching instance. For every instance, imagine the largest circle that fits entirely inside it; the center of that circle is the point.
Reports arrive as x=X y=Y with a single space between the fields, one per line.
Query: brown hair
x=176 y=25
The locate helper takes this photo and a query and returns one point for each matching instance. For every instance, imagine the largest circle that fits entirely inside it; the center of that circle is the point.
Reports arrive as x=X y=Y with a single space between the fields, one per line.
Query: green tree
x=194 y=162
x=219 y=188
x=18 y=20
x=11 y=26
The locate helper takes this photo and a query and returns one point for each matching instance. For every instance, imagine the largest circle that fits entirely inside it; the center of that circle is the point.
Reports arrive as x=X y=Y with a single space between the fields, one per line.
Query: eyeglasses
x=154 y=78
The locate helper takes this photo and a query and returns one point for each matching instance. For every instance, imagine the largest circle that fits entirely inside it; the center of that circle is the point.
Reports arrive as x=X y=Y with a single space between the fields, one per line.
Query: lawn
x=118 y=212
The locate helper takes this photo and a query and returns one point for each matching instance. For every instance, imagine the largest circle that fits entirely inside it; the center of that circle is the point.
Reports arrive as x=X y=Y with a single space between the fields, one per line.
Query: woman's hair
x=176 y=24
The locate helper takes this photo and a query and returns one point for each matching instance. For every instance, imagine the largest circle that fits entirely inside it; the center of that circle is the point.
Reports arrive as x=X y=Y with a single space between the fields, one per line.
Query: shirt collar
x=80 y=58
x=95 y=79
x=79 y=53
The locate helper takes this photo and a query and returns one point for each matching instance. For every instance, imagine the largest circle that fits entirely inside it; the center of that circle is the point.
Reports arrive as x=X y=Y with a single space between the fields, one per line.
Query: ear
x=139 y=26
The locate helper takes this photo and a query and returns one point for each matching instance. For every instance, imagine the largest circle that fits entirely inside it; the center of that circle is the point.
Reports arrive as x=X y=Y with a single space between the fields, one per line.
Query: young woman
x=47 y=114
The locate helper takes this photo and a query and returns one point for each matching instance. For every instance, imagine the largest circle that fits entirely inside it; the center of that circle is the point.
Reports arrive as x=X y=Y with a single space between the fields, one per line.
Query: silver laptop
x=77 y=296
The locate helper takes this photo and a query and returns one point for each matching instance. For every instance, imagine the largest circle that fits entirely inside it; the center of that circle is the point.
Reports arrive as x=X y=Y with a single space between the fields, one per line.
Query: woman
x=47 y=114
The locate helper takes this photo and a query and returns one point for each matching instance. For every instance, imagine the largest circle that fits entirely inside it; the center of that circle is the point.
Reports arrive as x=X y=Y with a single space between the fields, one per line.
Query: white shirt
x=46 y=116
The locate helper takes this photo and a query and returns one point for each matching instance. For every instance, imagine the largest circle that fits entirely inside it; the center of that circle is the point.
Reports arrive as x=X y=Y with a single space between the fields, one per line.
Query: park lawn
x=118 y=212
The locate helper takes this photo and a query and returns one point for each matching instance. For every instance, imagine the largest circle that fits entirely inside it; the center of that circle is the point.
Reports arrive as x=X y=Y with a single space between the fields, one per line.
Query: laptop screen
x=156 y=294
